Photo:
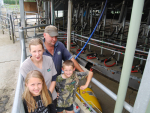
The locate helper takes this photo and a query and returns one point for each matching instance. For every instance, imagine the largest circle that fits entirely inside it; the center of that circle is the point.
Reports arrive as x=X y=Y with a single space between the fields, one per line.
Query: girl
x=36 y=97
x=42 y=63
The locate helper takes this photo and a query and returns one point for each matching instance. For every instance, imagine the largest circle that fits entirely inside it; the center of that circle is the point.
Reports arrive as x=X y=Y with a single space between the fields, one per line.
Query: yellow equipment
x=90 y=97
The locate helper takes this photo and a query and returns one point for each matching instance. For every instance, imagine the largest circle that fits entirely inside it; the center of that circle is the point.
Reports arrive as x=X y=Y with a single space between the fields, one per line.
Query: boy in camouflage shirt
x=66 y=85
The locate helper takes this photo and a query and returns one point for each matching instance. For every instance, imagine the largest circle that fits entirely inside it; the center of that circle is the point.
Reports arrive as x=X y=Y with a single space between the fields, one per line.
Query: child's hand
x=57 y=95
x=83 y=87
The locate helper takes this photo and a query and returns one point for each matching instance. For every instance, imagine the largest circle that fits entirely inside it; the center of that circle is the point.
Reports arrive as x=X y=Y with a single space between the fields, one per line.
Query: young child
x=36 y=97
x=66 y=85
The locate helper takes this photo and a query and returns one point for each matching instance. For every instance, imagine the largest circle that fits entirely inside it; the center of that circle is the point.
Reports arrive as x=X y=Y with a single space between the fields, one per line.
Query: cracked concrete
x=10 y=55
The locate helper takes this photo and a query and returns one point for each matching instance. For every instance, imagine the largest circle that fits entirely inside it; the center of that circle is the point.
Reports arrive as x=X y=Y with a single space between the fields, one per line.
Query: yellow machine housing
x=90 y=97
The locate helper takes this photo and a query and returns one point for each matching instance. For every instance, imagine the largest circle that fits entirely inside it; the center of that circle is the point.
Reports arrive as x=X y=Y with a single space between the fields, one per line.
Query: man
x=56 y=49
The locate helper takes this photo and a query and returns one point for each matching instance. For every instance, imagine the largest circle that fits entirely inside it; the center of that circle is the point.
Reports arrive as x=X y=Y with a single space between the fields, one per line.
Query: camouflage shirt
x=67 y=88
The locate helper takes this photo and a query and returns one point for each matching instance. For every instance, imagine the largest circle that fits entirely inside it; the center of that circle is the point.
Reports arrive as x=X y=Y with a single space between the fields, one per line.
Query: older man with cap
x=56 y=49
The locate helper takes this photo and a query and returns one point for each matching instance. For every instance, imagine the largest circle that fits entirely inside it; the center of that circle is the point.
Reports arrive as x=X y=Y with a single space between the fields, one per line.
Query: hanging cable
x=93 y=30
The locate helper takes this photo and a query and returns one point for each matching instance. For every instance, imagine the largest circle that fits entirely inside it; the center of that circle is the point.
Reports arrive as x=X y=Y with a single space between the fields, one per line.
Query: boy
x=66 y=84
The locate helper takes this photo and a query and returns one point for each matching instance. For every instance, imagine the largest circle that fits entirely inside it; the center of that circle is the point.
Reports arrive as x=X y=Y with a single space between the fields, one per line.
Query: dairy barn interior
x=109 y=37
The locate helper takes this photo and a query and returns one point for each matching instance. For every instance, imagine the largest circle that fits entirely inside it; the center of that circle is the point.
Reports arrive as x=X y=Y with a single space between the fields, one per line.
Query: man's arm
x=52 y=86
x=90 y=75
x=77 y=66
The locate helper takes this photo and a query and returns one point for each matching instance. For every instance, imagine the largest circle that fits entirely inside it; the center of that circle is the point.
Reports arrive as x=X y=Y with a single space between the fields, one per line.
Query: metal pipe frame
x=108 y=49
x=111 y=94
x=82 y=12
x=46 y=11
x=91 y=18
x=129 y=54
x=43 y=25
x=146 y=41
x=104 y=23
x=52 y=12
x=4 y=16
x=22 y=14
x=86 y=102
x=123 y=26
x=34 y=12
x=32 y=18
x=8 y=26
x=143 y=95
x=69 y=24
x=109 y=43
x=12 y=29
x=0 y=14
x=38 y=13
x=18 y=104
x=48 y=19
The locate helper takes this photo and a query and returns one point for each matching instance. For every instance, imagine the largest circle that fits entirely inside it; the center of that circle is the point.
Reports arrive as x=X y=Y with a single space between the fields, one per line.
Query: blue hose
x=93 y=31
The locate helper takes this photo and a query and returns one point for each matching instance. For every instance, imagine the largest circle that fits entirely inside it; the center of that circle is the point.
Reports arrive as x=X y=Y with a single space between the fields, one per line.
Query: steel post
x=129 y=53
x=69 y=24
x=141 y=104
x=22 y=13
x=52 y=12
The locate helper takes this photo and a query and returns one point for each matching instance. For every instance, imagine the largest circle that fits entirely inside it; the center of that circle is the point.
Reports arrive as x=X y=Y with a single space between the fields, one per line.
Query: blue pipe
x=93 y=31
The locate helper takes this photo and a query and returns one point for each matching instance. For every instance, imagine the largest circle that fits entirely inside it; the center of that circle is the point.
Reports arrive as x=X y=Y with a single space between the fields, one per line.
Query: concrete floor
x=10 y=55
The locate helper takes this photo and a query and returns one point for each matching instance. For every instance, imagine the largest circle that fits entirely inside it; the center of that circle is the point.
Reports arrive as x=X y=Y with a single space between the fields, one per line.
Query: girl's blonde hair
x=35 y=41
x=27 y=96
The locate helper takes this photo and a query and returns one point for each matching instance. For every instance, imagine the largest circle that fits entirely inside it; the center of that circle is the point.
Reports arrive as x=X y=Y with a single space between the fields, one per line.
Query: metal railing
x=7 y=22
x=18 y=105
x=107 y=47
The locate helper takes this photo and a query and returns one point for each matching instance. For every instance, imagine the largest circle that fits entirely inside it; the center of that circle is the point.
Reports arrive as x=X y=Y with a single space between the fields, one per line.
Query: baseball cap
x=51 y=30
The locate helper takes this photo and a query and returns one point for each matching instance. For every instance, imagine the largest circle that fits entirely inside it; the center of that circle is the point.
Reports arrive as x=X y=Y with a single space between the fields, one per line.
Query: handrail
x=95 y=106
x=42 y=25
x=127 y=106
x=108 y=49
x=112 y=44
x=17 y=104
